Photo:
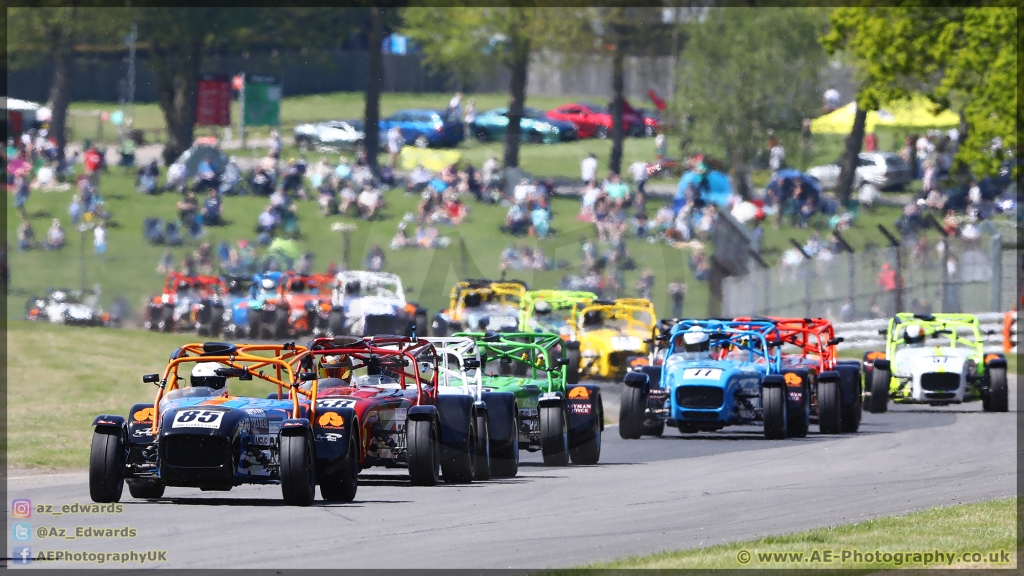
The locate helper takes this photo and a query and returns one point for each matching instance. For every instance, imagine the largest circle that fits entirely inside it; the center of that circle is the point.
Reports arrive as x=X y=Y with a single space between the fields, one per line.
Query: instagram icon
x=21 y=508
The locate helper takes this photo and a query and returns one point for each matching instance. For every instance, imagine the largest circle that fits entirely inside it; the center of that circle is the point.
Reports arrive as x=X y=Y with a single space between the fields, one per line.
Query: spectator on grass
x=326 y=199
x=374 y=259
x=418 y=179
x=831 y=99
x=26 y=236
x=645 y=284
x=176 y=177
x=369 y=201
x=274 y=149
x=21 y=191
x=540 y=220
x=187 y=209
x=641 y=225
x=212 y=209
x=266 y=221
x=76 y=209
x=455 y=106
x=617 y=191
x=55 y=236
x=469 y=121
x=588 y=168
x=99 y=238
x=401 y=239
x=204 y=258
x=166 y=263
x=146 y=178
x=677 y=291
x=348 y=199
x=776 y=156
x=304 y=265
x=587 y=201
x=638 y=170
x=454 y=210
x=489 y=172
x=395 y=142
x=517 y=219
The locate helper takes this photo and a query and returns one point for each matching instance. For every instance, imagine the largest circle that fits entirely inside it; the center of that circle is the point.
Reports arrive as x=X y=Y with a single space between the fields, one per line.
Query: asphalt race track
x=646 y=495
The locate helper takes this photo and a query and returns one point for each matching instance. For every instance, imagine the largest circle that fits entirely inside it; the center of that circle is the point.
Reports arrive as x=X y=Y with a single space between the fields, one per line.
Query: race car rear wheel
x=554 y=435
x=588 y=450
x=280 y=323
x=850 y=420
x=341 y=485
x=255 y=324
x=422 y=326
x=106 y=461
x=298 y=470
x=146 y=489
x=483 y=447
x=336 y=323
x=460 y=467
x=166 y=323
x=879 y=400
x=773 y=408
x=798 y=422
x=632 y=409
x=998 y=393
x=572 y=370
x=424 y=452
x=829 y=407
x=505 y=460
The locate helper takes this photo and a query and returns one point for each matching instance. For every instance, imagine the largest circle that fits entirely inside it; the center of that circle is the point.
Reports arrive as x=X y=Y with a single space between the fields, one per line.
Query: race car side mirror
x=151 y=378
x=232 y=372
x=835 y=341
x=775 y=343
x=491 y=337
x=883 y=331
x=307 y=376
x=990 y=332
x=506 y=360
x=470 y=363
x=561 y=361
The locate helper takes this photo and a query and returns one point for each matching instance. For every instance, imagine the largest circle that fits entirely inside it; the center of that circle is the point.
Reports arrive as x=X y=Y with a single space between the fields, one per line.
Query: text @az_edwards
x=83 y=532
x=829 y=556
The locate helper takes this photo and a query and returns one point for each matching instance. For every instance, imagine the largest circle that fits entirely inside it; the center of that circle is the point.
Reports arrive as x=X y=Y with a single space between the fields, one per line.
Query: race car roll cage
x=940 y=324
x=729 y=334
x=504 y=291
x=240 y=358
x=558 y=299
x=814 y=337
x=509 y=347
x=468 y=354
x=621 y=309
x=366 y=350
x=212 y=285
x=388 y=285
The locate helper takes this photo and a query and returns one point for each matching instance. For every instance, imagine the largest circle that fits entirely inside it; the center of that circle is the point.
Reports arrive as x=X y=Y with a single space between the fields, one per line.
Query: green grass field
x=984 y=528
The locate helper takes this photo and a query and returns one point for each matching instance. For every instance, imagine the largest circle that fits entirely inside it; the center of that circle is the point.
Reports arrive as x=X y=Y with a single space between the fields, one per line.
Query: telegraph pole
x=130 y=119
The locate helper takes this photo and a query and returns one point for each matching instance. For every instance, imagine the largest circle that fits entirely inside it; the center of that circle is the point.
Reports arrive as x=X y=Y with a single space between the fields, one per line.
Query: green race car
x=953 y=370
x=563 y=422
x=534 y=127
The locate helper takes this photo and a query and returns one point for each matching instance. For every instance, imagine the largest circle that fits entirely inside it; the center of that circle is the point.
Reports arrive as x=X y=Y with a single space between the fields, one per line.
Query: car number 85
x=198 y=419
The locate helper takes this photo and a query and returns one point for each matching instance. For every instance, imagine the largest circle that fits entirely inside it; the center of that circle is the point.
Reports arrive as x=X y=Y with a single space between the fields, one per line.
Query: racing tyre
x=998 y=394
x=461 y=467
x=554 y=435
x=298 y=470
x=505 y=460
x=654 y=429
x=830 y=408
x=106 y=461
x=217 y=322
x=483 y=447
x=341 y=485
x=632 y=409
x=146 y=489
x=424 y=452
x=588 y=451
x=255 y=324
x=773 y=406
x=438 y=328
x=572 y=371
x=798 y=422
x=280 y=323
x=166 y=323
x=336 y=323
x=422 y=326
x=879 y=401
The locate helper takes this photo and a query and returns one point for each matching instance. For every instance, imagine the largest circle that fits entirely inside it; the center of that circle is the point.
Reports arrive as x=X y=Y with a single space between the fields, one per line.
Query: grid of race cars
x=457 y=396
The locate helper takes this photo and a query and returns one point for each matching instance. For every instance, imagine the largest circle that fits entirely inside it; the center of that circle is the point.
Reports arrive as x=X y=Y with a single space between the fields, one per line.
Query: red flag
x=658 y=102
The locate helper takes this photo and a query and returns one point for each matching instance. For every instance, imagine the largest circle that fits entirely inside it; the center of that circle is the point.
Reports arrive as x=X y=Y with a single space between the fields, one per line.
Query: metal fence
x=953 y=275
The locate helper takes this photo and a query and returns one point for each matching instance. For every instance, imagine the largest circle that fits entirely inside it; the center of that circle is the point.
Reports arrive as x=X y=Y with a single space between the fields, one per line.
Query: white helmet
x=542 y=307
x=205 y=374
x=696 y=340
x=914 y=335
x=267 y=283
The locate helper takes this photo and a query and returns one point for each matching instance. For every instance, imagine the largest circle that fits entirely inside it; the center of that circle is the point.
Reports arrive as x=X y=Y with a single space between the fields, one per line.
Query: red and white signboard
x=213 y=100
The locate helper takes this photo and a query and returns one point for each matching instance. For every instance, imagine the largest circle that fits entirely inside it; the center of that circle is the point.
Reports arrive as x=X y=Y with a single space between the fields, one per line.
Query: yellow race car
x=611 y=334
x=480 y=306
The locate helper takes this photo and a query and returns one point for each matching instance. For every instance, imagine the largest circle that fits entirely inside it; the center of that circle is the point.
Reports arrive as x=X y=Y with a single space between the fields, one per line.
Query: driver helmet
x=183 y=286
x=267 y=283
x=205 y=374
x=59 y=296
x=473 y=300
x=696 y=340
x=336 y=366
x=353 y=287
x=914 y=335
x=542 y=308
x=592 y=318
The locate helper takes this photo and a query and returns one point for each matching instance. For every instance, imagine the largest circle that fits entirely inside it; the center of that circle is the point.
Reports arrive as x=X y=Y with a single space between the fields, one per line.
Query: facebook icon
x=21 y=555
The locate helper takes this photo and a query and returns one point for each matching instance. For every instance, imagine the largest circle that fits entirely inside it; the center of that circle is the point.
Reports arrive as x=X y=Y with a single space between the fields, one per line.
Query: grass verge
x=982 y=535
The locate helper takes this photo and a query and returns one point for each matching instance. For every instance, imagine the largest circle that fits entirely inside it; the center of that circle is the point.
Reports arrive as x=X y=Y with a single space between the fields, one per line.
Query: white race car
x=373 y=303
x=71 y=307
x=953 y=370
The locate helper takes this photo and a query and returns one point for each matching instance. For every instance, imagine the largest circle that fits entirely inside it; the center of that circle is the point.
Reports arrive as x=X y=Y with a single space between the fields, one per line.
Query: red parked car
x=596 y=121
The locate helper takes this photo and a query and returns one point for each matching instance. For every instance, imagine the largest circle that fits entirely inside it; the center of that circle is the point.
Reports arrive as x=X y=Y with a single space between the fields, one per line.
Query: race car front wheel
x=554 y=435
x=829 y=407
x=298 y=473
x=424 y=452
x=483 y=446
x=998 y=394
x=879 y=401
x=106 y=461
x=632 y=409
x=773 y=406
x=341 y=486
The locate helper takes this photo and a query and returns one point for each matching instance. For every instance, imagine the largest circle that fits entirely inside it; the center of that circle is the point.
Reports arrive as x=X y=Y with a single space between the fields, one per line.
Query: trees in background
x=748 y=73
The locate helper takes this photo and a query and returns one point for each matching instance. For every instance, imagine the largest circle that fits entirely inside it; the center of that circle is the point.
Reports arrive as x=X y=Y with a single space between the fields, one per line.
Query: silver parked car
x=884 y=170
x=347 y=134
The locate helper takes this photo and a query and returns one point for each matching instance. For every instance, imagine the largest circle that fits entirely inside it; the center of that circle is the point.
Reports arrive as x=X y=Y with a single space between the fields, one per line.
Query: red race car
x=308 y=299
x=391 y=382
x=836 y=385
x=595 y=121
x=187 y=303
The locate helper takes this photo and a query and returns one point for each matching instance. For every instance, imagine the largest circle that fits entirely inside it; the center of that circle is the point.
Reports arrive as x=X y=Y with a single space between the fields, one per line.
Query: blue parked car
x=716 y=373
x=258 y=315
x=426 y=128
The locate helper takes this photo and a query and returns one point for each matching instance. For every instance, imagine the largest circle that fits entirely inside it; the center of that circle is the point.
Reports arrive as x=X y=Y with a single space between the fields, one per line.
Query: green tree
x=469 y=41
x=749 y=73
x=39 y=33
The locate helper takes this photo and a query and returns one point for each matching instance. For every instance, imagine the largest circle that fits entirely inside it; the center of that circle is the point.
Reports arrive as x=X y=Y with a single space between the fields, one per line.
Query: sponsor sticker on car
x=331 y=420
x=582 y=408
x=198 y=419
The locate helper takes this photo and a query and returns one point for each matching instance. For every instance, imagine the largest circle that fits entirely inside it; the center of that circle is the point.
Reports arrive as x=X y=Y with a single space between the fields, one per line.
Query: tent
x=793 y=175
x=914 y=113
x=433 y=160
x=720 y=189
x=21 y=114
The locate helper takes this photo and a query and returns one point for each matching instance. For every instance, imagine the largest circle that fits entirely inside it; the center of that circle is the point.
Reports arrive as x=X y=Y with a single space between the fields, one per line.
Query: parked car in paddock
x=836 y=386
x=564 y=422
x=952 y=371
x=716 y=373
x=201 y=436
x=341 y=134
x=480 y=305
x=593 y=121
x=187 y=304
x=426 y=128
x=390 y=384
x=71 y=308
x=461 y=372
x=365 y=303
x=883 y=170
x=535 y=126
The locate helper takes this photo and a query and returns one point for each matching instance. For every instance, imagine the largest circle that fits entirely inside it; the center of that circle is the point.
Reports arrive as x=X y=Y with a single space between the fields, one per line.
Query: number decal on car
x=703 y=373
x=198 y=419
x=336 y=403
